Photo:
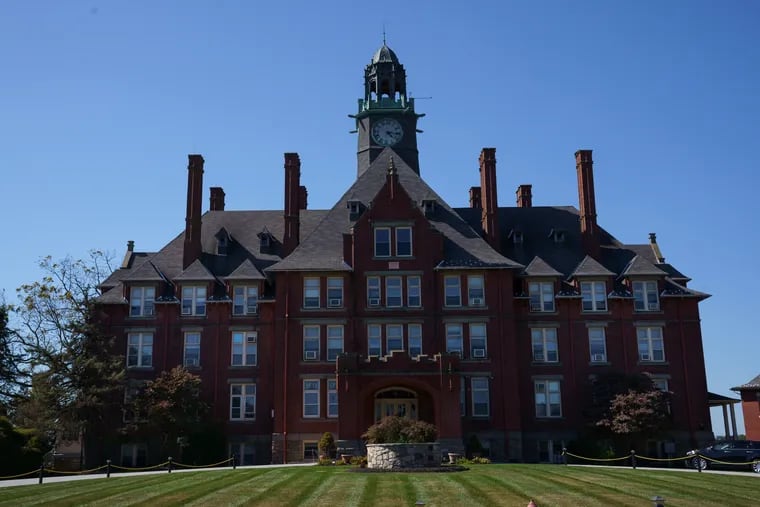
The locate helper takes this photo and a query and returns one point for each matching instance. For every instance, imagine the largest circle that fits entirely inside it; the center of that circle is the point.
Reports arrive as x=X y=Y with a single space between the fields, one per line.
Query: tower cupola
x=385 y=79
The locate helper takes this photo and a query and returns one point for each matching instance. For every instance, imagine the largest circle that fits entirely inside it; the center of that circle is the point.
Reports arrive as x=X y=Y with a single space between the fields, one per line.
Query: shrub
x=393 y=429
x=326 y=444
x=360 y=461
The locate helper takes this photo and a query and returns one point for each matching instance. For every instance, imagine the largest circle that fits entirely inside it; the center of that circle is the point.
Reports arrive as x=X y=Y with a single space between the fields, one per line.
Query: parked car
x=730 y=454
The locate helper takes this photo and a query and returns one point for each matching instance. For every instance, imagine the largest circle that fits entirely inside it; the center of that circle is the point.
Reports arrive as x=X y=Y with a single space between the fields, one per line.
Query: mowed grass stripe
x=294 y=490
x=250 y=484
x=478 y=488
x=442 y=489
x=370 y=491
x=345 y=487
x=593 y=490
x=194 y=485
x=389 y=490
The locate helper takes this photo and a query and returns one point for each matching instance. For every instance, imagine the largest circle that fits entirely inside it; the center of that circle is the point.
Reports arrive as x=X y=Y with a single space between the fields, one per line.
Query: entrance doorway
x=396 y=401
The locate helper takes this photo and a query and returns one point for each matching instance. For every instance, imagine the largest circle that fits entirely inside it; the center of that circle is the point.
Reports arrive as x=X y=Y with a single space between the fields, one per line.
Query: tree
x=171 y=406
x=13 y=378
x=66 y=352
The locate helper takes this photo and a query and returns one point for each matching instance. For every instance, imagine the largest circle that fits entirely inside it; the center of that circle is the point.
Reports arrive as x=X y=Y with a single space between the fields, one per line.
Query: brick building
x=750 y=400
x=485 y=320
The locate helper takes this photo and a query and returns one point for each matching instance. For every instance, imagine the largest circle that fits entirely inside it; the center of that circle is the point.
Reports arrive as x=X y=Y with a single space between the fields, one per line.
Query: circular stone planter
x=398 y=456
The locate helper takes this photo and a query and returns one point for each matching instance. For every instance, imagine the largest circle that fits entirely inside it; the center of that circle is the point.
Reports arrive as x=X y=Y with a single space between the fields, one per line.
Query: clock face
x=387 y=132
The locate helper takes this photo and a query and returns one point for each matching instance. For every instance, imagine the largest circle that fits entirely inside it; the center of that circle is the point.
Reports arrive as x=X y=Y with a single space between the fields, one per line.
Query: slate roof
x=639 y=266
x=322 y=250
x=752 y=385
x=590 y=267
x=539 y=267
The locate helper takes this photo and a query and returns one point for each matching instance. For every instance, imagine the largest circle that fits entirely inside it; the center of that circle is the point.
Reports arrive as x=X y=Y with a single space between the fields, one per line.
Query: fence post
x=170 y=464
x=234 y=461
x=42 y=472
x=633 y=459
x=108 y=468
x=564 y=455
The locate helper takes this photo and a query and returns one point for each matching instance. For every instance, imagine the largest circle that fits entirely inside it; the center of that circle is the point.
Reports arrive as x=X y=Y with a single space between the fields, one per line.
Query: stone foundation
x=390 y=456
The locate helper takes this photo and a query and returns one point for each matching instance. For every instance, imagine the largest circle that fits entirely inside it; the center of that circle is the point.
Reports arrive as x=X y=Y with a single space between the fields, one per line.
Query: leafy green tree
x=66 y=351
x=13 y=375
x=171 y=406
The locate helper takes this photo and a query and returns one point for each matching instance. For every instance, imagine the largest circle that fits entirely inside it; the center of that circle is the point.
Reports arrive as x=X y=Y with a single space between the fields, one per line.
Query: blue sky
x=100 y=103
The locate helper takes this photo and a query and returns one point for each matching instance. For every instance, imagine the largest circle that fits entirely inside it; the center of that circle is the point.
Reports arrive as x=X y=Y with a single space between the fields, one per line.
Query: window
x=373 y=291
x=462 y=402
x=481 y=406
x=454 y=339
x=332 y=398
x=382 y=242
x=541 y=296
x=594 y=296
x=134 y=455
x=245 y=300
x=311 y=398
x=413 y=292
x=651 y=347
x=475 y=293
x=415 y=340
x=661 y=384
x=453 y=291
x=192 y=355
x=140 y=350
x=645 y=298
x=544 y=345
x=141 y=301
x=194 y=300
x=548 y=398
x=394 y=338
x=311 y=292
x=478 y=341
x=334 y=292
x=131 y=413
x=244 y=452
x=334 y=342
x=597 y=345
x=374 y=340
x=242 y=402
x=244 y=348
x=311 y=343
x=311 y=450
x=393 y=291
x=403 y=241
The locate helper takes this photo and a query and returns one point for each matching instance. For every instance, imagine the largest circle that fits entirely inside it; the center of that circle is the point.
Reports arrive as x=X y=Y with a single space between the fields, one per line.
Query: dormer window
x=265 y=241
x=141 y=300
x=354 y=207
x=594 y=296
x=557 y=235
x=194 y=300
x=245 y=300
x=222 y=245
x=645 y=296
x=516 y=236
x=428 y=206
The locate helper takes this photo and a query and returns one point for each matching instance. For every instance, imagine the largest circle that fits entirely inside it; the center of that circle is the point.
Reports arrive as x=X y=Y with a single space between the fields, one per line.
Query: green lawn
x=502 y=485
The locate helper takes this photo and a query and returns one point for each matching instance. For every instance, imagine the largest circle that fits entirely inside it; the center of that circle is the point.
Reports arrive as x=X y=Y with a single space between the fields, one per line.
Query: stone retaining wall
x=389 y=456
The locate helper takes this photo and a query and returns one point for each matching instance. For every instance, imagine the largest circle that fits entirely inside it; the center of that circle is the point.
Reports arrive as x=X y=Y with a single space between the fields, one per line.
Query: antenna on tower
x=383 y=34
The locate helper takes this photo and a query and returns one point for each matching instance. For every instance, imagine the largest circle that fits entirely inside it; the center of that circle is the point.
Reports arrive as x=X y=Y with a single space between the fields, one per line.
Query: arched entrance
x=397 y=401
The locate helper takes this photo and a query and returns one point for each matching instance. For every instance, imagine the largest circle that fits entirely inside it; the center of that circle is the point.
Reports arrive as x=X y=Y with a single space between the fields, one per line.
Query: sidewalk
x=69 y=477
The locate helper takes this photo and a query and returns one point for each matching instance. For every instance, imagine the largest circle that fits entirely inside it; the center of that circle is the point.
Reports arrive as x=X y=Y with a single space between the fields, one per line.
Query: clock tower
x=386 y=117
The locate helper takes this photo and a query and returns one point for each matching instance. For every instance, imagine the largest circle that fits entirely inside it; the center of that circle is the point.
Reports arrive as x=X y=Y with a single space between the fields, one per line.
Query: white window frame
x=647 y=340
x=194 y=300
x=646 y=297
x=481 y=395
x=137 y=346
x=244 y=344
x=312 y=288
x=541 y=339
x=311 y=394
x=398 y=242
x=131 y=454
x=593 y=296
x=548 y=390
x=374 y=340
x=377 y=243
x=311 y=334
x=142 y=301
x=334 y=342
x=541 y=294
x=335 y=292
x=452 y=290
x=374 y=291
x=242 y=398
x=476 y=293
x=191 y=352
x=414 y=291
x=394 y=332
x=245 y=300
x=415 y=339
x=597 y=344
x=462 y=397
x=245 y=453
x=478 y=340
x=454 y=339
x=332 y=398
x=394 y=292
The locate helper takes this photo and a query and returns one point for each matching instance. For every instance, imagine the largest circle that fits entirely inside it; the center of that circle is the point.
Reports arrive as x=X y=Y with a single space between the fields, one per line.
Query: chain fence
x=689 y=460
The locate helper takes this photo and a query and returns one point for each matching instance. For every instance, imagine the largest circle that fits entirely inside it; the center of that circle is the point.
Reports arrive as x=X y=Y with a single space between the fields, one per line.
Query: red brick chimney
x=292 y=202
x=475 y=197
x=524 y=196
x=490 y=203
x=584 y=166
x=216 y=201
x=192 y=247
x=303 y=197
